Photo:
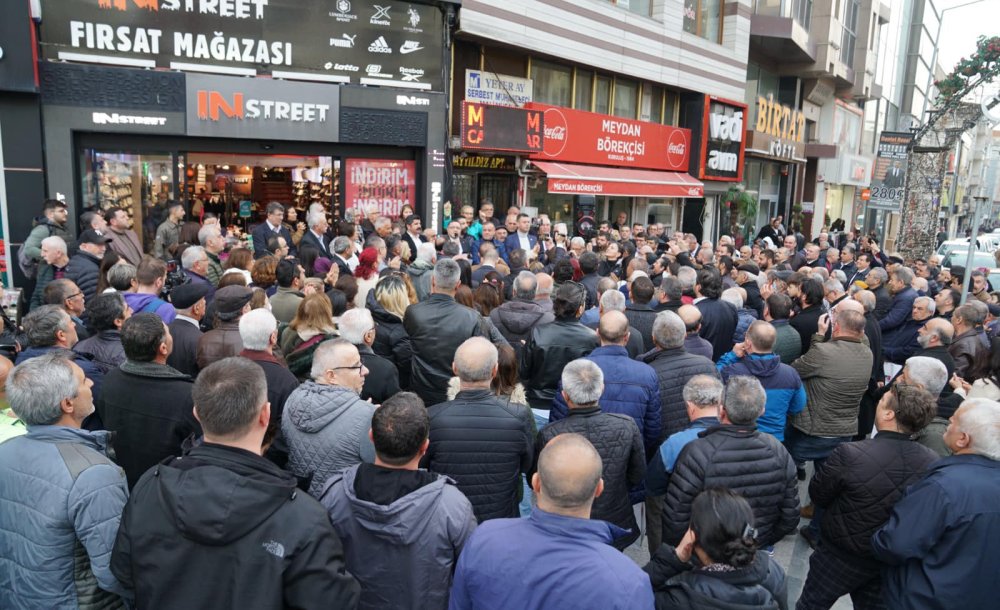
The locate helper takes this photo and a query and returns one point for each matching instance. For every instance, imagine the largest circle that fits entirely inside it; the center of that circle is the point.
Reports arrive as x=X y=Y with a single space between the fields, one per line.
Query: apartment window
x=639 y=7
x=602 y=95
x=552 y=83
x=704 y=18
x=584 y=89
x=851 y=10
x=652 y=104
x=802 y=12
x=626 y=98
x=670 y=102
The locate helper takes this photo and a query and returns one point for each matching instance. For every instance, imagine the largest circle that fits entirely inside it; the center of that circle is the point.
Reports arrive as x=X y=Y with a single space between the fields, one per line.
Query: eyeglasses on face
x=356 y=367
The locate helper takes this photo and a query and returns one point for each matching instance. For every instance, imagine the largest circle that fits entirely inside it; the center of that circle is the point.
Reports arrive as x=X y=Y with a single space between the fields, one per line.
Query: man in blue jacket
x=940 y=541
x=630 y=387
x=62 y=496
x=785 y=393
x=902 y=300
x=901 y=343
x=558 y=556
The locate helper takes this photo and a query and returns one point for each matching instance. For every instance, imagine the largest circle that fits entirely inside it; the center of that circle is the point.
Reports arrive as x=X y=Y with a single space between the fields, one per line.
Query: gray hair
x=703 y=390
x=904 y=275
x=612 y=300
x=315 y=219
x=543 y=289
x=525 y=285
x=374 y=241
x=981 y=421
x=207 y=232
x=969 y=313
x=228 y=396
x=42 y=324
x=341 y=243
x=324 y=355
x=833 y=286
x=926 y=302
x=192 y=254
x=867 y=299
x=578 y=242
x=274 y=206
x=880 y=274
x=928 y=372
x=37 y=387
x=669 y=330
x=475 y=360
x=981 y=312
x=839 y=276
x=256 y=328
x=733 y=297
x=687 y=277
x=426 y=252
x=354 y=324
x=447 y=274
x=583 y=382
x=54 y=242
x=745 y=399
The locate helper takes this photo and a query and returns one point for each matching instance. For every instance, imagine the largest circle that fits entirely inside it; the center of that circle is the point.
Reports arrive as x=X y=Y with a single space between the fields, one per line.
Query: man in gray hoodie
x=402 y=528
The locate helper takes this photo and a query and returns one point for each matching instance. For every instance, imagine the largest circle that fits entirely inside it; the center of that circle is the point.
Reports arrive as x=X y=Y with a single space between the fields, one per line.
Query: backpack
x=152 y=306
x=29 y=267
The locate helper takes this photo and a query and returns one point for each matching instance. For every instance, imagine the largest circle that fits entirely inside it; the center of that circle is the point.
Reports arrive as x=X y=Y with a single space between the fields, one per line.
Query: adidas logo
x=379 y=45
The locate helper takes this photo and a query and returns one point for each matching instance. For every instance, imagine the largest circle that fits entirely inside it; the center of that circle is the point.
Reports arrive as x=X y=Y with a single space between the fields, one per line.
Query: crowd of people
x=369 y=414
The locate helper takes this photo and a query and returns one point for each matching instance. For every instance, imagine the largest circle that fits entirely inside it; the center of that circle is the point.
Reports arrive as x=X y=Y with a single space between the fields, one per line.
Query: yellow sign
x=780 y=121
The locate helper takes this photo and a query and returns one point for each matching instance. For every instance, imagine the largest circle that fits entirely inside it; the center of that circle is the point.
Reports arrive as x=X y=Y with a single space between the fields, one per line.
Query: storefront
x=718 y=147
x=619 y=165
x=311 y=133
x=775 y=161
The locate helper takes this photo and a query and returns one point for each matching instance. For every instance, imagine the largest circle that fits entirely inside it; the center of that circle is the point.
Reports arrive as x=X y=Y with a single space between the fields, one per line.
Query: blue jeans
x=805 y=448
x=525 y=506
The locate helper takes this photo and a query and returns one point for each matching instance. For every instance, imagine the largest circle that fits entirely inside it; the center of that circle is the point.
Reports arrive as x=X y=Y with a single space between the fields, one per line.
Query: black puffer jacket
x=674 y=368
x=718 y=323
x=84 y=269
x=761 y=585
x=753 y=464
x=391 y=340
x=641 y=318
x=436 y=327
x=104 y=348
x=549 y=349
x=515 y=319
x=484 y=443
x=617 y=439
x=860 y=483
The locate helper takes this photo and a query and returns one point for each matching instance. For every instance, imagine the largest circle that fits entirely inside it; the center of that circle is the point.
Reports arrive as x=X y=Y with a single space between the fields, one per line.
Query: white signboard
x=499 y=89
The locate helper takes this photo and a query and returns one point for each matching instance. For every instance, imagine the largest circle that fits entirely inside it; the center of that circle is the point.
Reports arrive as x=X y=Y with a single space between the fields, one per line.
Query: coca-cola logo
x=556 y=132
x=677 y=153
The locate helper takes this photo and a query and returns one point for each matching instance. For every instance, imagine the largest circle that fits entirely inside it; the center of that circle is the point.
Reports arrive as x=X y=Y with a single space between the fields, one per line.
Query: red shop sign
x=599 y=139
x=386 y=183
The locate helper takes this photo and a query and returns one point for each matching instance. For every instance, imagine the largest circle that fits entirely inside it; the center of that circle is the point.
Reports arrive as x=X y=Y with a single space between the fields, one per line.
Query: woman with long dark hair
x=717 y=563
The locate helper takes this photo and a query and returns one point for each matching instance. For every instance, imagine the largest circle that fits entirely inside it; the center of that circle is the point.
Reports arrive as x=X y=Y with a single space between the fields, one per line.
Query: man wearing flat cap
x=224 y=339
x=190 y=302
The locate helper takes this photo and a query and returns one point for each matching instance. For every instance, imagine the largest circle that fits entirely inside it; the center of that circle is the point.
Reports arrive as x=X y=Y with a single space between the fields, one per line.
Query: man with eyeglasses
x=382 y=380
x=325 y=422
x=65 y=294
x=271 y=227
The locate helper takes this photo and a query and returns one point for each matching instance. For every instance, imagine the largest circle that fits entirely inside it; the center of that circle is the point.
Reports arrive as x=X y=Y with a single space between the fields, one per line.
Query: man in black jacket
x=554 y=345
x=107 y=313
x=877 y=279
x=806 y=322
x=481 y=441
x=382 y=381
x=436 y=327
x=857 y=487
x=639 y=310
x=735 y=455
x=190 y=516
x=515 y=318
x=84 y=266
x=145 y=402
x=616 y=438
x=259 y=334
x=718 y=318
x=190 y=302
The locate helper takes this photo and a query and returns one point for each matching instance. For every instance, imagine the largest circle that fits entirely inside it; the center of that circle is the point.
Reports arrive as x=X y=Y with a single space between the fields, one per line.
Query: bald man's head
x=544 y=289
x=475 y=361
x=761 y=336
x=569 y=475
x=613 y=328
x=849 y=305
x=691 y=316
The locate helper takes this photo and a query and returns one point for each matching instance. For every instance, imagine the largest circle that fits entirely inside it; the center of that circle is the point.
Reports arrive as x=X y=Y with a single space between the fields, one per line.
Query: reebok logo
x=410 y=46
x=379 y=45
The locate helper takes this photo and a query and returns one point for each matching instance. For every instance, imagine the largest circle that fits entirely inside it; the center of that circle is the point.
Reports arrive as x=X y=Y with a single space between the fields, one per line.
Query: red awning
x=574 y=179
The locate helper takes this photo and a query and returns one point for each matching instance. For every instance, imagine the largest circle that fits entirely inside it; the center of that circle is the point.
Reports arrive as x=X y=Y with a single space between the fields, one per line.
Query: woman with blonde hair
x=388 y=302
x=312 y=324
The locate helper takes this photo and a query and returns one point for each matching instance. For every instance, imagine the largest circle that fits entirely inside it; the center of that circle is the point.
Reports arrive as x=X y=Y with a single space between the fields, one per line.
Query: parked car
x=957 y=258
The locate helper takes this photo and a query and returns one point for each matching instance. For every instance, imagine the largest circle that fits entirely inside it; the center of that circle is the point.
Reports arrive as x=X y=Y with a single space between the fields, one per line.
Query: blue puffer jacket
x=746 y=318
x=900 y=343
x=63 y=499
x=785 y=393
x=630 y=388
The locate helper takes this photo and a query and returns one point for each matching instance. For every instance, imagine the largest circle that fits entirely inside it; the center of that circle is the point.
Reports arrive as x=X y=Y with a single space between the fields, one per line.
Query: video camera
x=175 y=277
